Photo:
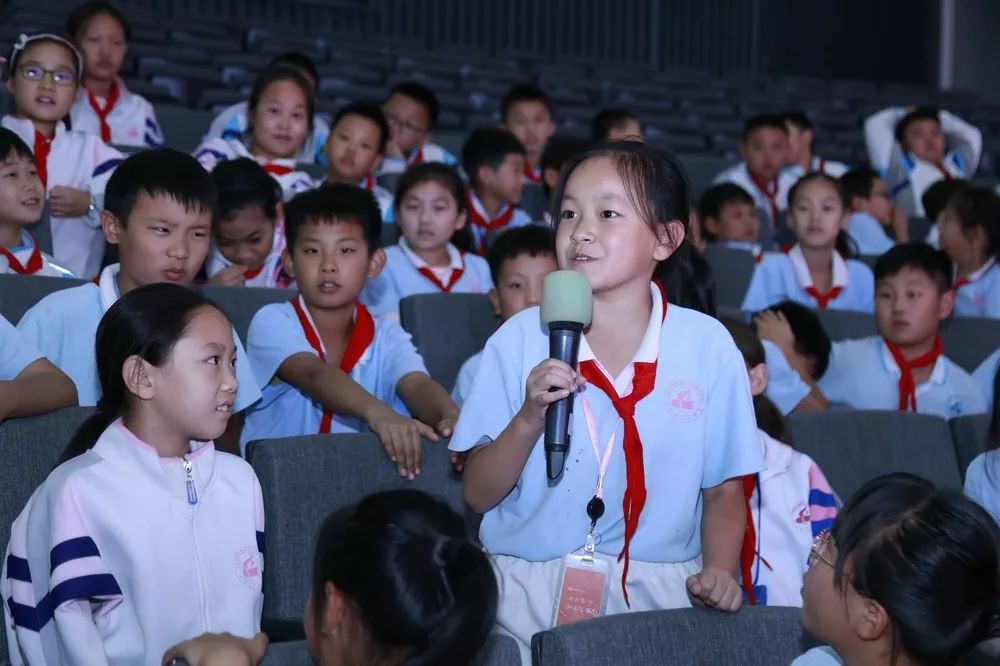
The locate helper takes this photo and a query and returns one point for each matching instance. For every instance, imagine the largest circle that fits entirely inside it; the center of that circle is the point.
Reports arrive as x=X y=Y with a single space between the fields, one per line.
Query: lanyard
x=595 y=507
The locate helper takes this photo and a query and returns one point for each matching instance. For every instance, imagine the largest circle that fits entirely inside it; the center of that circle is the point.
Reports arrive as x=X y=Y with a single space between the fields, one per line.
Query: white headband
x=24 y=40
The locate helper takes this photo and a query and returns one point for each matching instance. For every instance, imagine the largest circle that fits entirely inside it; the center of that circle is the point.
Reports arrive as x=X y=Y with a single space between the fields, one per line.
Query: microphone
x=567 y=306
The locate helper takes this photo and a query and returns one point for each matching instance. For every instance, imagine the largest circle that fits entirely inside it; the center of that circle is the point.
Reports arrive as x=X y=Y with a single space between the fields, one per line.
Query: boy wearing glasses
x=412 y=110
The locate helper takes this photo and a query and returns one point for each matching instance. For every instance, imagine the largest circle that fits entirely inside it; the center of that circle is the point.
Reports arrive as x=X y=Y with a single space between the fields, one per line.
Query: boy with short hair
x=872 y=212
x=914 y=147
x=616 y=124
x=325 y=363
x=801 y=157
x=797 y=362
x=158 y=211
x=412 y=111
x=355 y=149
x=494 y=161
x=519 y=260
x=527 y=112
x=729 y=217
x=935 y=199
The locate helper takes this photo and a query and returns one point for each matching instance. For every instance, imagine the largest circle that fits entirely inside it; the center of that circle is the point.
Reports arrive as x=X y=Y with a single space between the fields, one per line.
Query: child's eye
x=310 y=250
x=161 y=230
x=347 y=250
x=199 y=234
x=609 y=214
x=440 y=209
x=567 y=215
x=213 y=360
x=9 y=174
x=513 y=285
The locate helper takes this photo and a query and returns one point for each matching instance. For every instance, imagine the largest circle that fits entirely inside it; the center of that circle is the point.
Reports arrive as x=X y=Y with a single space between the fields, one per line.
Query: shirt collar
x=802 y=270
x=938 y=374
x=454 y=256
x=982 y=270
x=481 y=210
x=108 y=285
x=777 y=456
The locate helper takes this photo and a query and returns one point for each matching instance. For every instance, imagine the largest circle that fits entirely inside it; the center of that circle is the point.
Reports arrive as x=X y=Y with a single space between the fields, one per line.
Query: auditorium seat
x=534 y=201
x=755 y=636
x=852 y=447
x=241 y=303
x=19 y=292
x=971 y=436
x=847 y=324
x=499 y=650
x=183 y=127
x=447 y=329
x=969 y=340
x=732 y=270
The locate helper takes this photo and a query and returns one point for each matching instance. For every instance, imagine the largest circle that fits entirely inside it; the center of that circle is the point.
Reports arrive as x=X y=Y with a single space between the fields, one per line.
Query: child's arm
x=428 y=401
x=964 y=138
x=773 y=326
x=39 y=388
x=722 y=524
x=880 y=137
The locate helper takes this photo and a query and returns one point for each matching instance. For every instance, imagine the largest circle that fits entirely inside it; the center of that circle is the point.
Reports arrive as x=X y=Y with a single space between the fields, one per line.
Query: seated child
x=801 y=140
x=29 y=383
x=280 y=116
x=914 y=147
x=935 y=200
x=818 y=270
x=355 y=148
x=790 y=502
x=325 y=363
x=898 y=534
x=872 y=212
x=143 y=517
x=22 y=199
x=233 y=122
x=74 y=166
x=493 y=160
x=762 y=172
x=431 y=257
x=519 y=260
x=728 y=217
x=982 y=479
x=985 y=374
x=248 y=233
x=797 y=350
x=970 y=235
x=412 y=110
x=159 y=213
x=526 y=112
x=104 y=106
x=615 y=124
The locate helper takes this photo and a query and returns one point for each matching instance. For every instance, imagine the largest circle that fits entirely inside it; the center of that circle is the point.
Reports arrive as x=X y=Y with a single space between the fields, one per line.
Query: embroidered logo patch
x=685 y=400
x=248 y=567
x=801 y=515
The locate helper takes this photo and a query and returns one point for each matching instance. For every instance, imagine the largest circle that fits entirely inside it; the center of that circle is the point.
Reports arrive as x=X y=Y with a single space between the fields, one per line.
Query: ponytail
x=770 y=419
x=846 y=247
x=687 y=278
x=89 y=432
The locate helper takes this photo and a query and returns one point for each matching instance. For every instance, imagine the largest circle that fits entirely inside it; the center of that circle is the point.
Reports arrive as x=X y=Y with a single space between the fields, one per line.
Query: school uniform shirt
x=532 y=174
x=121 y=554
x=781 y=277
x=81 y=161
x=382 y=196
x=979 y=294
x=982 y=482
x=214 y=151
x=790 y=505
x=123 y=118
x=772 y=197
x=484 y=226
x=863 y=374
x=785 y=387
x=271 y=274
x=429 y=152
x=697 y=429
x=753 y=248
x=16 y=353
x=63 y=326
x=276 y=333
x=406 y=274
x=907 y=176
x=231 y=124
x=819 y=656
x=985 y=374
x=466 y=374
x=868 y=235
x=28 y=259
x=819 y=164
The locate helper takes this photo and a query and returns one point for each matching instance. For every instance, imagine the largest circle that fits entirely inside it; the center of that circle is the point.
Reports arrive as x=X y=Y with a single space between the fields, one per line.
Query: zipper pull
x=189 y=480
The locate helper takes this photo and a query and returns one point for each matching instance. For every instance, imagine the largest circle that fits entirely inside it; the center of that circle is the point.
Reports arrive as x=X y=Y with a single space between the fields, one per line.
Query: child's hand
x=547 y=375
x=68 y=202
x=458 y=460
x=219 y=650
x=774 y=327
x=230 y=276
x=715 y=588
x=400 y=436
x=446 y=425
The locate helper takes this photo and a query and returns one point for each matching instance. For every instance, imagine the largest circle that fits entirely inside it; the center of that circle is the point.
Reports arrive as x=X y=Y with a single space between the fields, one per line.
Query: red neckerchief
x=770 y=192
x=362 y=336
x=456 y=274
x=961 y=283
x=369 y=183
x=643 y=383
x=103 y=113
x=823 y=298
x=749 y=549
x=251 y=274
x=41 y=149
x=417 y=157
x=34 y=261
x=944 y=172
x=531 y=175
x=907 y=385
x=479 y=220
x=277 y=169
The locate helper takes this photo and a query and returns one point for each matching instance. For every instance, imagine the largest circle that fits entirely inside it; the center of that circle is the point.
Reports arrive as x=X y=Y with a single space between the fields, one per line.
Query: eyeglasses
x=60 y=77
x=398 y=122
x=822 y=549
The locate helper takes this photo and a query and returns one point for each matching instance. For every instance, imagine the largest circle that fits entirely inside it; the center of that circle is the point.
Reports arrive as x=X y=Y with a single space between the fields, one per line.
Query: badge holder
x=583 y=578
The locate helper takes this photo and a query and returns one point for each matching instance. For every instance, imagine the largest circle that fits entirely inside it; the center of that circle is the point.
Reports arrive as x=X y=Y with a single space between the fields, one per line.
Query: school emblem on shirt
x=248 y=567
x=802 y=517
x=685 y=400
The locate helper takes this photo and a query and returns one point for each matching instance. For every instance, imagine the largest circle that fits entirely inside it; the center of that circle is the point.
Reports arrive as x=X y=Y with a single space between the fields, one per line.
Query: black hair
x=146 y=322
x=371 y=112
x=558 y=150
x=928 y=556
x=764 y=120
x=858 y=182
x=811 y=338
x=488 y=147
x=83 y=13
x=418 y=587
x=242 y=183
x=799 y=119
x=524 y=92
x=977 y=206
x=844 y=245
x=995 y=418
x=769 y=417
x=533 y=240
x=608 y=119
x=448 y=178
x=11 y=143
x=297 y=61
x=715 y=199
x=657 y=187
x=935 y=198
x=422 y=95
x=280 y=73
x=334 y=203
x=919 y=113
x=162 y=172
x=918 y=256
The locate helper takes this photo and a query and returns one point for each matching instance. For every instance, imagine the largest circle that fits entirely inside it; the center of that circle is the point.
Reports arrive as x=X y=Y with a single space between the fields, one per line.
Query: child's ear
x=494 y=301
x=711 y=225
x=287 y=263
x=376 y=263
x=10 y=84
x=485 y=176
x=110 y=227
x=334 y=609
x=463 y=217
x=946 y=304
x=137 y=377
x=873 y=622
x=758 y=379
x=669 y=237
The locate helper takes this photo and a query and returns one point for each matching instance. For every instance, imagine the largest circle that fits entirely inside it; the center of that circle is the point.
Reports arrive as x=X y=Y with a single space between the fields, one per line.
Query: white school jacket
x=120 y=554
x=132 y=119
x=82 y=161
x=291 y=181
x=231 y=123
x=909 y=177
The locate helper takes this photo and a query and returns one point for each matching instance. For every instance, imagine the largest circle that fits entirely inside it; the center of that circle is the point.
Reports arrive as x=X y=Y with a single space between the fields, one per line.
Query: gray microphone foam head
x=567 y=296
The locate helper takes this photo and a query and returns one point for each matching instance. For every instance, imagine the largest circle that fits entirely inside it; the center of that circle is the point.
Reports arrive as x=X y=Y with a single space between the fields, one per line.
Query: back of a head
x=334 y=203
x=422 y=95
x=935 y=198
x=524 y=92
x=533 y=240
x=80 y=16
x=858 y=183
x=488 y=147
x=811 y=338
x=607 y=119
x=918 y=256
x=976 y=206
x=928 y=557
x=420 y=588
x=755 y=123
x=242 y=183
x=159 y=173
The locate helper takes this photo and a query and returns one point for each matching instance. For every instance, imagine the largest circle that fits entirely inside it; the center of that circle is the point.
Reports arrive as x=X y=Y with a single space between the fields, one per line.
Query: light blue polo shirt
x=16 y=353
x=785 y=387
x=985 y=374
x=982 y=482
x=868 y=234
x=981 y=296
x=779 y=277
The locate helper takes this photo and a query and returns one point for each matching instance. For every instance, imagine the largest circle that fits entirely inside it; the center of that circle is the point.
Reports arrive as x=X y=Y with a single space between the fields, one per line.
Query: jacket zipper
x=192 y=497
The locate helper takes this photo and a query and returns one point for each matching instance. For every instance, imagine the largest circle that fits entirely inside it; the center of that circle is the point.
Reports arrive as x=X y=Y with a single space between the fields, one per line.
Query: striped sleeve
x=258 y=503
x=105 y=159
x=822 y=501
x=152 y=133
x=210 y=153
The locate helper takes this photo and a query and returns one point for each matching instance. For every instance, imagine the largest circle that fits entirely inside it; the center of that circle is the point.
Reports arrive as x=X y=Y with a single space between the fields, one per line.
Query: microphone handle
x=564 y=345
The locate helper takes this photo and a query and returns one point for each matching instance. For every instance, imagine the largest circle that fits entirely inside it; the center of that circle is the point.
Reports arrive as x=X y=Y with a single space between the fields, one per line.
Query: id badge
x=583 y=589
